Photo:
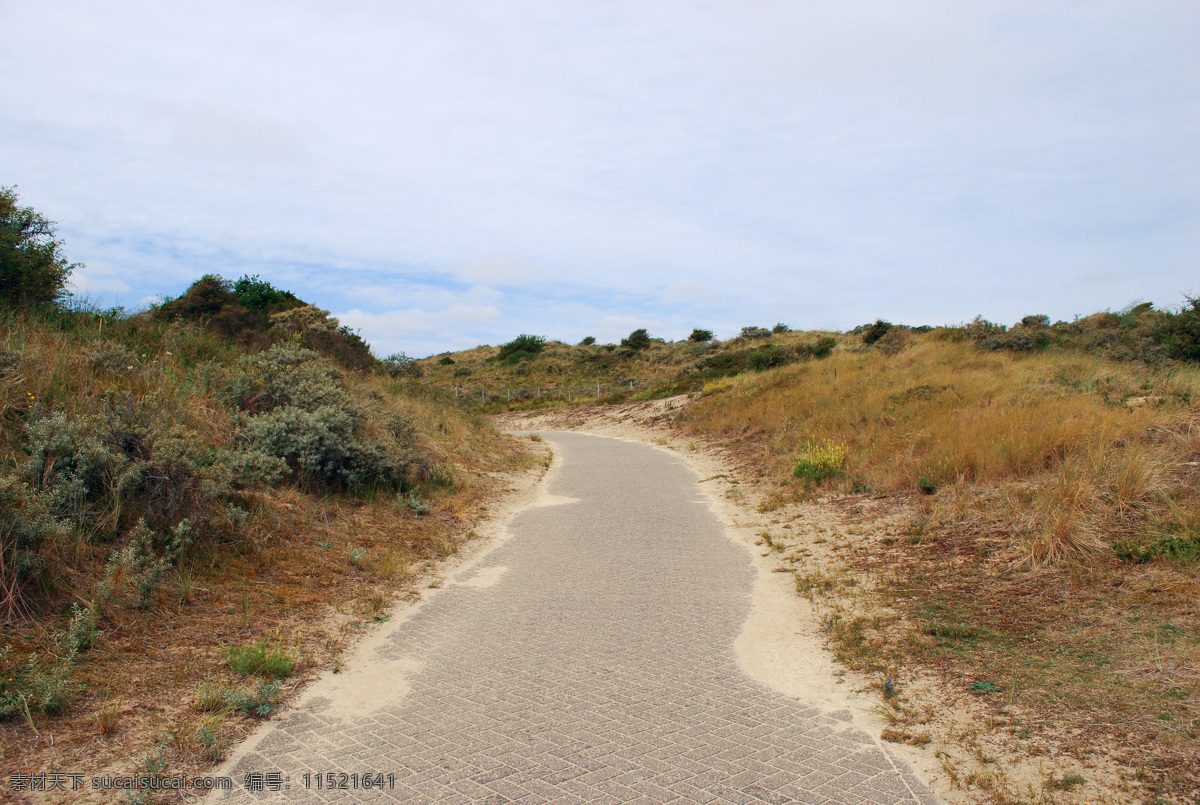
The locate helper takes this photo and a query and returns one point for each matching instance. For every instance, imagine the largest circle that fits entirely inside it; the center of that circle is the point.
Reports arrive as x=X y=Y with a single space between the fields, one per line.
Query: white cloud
x=665 y=164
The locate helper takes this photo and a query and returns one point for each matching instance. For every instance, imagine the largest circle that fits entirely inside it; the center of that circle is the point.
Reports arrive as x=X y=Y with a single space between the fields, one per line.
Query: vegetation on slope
x=1046 y=559
x=211 y=480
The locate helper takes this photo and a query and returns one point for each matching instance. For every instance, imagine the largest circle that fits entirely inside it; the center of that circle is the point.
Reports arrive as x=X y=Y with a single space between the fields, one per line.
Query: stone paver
x=599 y=668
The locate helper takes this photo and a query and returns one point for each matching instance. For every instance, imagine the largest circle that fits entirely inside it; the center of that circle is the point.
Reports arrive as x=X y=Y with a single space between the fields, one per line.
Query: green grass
x=264 y=658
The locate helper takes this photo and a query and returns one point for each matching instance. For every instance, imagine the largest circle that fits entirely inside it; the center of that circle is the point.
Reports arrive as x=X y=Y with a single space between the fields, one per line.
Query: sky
x=445 y=174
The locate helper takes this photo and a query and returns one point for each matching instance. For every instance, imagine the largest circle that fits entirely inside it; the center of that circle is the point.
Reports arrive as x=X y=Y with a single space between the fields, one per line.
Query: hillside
x=200 y=505
x=1019 y=520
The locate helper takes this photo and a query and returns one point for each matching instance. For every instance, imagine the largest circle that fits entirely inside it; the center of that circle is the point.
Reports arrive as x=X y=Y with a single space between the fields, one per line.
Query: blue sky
x=446 y=174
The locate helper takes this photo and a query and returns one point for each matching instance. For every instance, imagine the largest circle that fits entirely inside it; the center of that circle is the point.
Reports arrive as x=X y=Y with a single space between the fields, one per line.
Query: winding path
x=589 y=658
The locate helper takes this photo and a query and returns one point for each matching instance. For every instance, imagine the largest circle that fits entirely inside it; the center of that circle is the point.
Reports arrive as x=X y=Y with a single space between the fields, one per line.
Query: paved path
x=599 y=667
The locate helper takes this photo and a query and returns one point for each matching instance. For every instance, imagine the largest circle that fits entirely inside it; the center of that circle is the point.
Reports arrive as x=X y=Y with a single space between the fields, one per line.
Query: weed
x=1066 y=783
x=357 y=557
x=108 y=715
x=212 y=739
x=819 y=461
x=264 y=658
x=263 y=700
x=411 y=502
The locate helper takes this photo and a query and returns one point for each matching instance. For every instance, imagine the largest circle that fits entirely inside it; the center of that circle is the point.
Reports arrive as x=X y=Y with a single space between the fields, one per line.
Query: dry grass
x=1014 y=477
x=1080 y=467
x=305 y=569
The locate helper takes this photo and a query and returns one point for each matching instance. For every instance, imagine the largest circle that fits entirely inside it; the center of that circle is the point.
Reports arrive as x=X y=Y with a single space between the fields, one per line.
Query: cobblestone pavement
x=598 y=667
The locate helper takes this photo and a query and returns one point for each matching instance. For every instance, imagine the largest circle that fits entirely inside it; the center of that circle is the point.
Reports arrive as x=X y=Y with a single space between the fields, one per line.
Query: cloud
x=585 y=169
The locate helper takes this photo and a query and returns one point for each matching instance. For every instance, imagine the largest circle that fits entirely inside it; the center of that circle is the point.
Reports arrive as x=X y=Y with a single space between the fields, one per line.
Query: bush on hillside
x=755 y=332
x=1179 y=335
x=33 y=270
x=874 y=332
x=296 y=410
x=781 y=328
x=587 y=341
x=701 y=336
x=523 y=346
x=637 y=340
x=400 y=365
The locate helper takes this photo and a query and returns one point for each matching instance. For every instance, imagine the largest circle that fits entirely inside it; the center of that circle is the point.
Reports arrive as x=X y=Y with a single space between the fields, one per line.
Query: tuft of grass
x=263 y=658
x=108 y=716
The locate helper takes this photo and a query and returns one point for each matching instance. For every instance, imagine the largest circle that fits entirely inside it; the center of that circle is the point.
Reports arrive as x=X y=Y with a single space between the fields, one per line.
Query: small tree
x=701 y=336
x=33 y=270
x=638 y=339
x=523 y=346
x=587 y=341
x=876 y=331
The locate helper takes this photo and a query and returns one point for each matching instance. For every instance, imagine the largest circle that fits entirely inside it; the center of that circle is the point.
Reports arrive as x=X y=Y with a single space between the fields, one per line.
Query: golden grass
x=1054 y=427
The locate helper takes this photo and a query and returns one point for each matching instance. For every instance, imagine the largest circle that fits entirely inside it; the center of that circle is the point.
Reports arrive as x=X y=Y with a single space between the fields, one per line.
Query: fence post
x=456 y=392
x=631 y=385
x=539 y=392
x=597 y=389
x=483 y=394
x=568 y=393
x=510 y=395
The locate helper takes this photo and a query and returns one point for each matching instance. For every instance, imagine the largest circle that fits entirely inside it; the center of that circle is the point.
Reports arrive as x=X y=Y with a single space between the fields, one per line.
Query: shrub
x=28 y=528
x=781 y=328
x=587 y=341
x=701 y=336
x=876 y=331
x=299 y=413
x=31 y=687
x=445 y=360
x=523 y=346
x=894 y=341
x=33 y=271
x=824 y=346
x=755 y=332
x=212 y=697
x=260 y=296
x=411 y=502
x=400 y=365
x=264 y=658
x=1179 y=334
x=639 y=339
x=818 y=461
x=768 y=358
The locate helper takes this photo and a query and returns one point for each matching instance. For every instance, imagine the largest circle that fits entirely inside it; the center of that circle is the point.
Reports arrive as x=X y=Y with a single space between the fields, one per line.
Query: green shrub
x=876 y=331
x=31 y=687
x=701 y=336
x=264 y=658
x=781 y=328
x=400 y=365
x=28 y=530
x=33 y=270
x=445 y=360
x=1179 y=334
x=587 y=341
x=298 y=413
x=212 y=697
x=824 y=346
x=523 y=346
x=411 y=502
x=755 y=332
x=260 y=296
x=639 y=339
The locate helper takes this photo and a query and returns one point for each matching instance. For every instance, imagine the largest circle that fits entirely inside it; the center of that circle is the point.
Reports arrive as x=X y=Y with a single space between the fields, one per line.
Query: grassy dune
x=1045 y=560
x=171 y=499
